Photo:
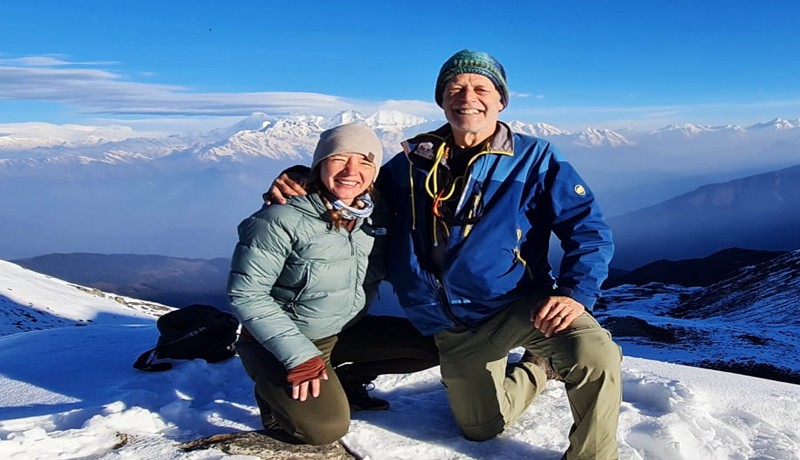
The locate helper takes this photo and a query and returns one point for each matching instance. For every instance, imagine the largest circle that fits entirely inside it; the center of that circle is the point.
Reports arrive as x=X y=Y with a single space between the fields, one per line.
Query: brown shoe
x=542 y=362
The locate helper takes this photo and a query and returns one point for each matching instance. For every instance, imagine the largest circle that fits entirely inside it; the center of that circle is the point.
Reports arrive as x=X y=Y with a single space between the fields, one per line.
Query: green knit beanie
x=478 y=62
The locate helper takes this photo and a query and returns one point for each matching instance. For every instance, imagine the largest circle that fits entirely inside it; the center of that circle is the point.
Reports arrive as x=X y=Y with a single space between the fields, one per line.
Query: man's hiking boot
x=542 y=362
x=357 y=390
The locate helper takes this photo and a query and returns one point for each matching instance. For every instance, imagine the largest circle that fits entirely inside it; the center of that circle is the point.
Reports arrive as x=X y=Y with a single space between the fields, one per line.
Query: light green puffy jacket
x=295 y=279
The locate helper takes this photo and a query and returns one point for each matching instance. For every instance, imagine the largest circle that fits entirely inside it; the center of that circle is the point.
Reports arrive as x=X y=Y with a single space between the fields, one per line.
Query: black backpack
x=191 y=332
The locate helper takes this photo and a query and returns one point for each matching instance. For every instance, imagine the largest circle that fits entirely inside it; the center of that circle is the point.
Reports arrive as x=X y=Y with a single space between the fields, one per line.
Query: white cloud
x=645 y=117
x=67 y=132
x=421 y=108
x=95 y=90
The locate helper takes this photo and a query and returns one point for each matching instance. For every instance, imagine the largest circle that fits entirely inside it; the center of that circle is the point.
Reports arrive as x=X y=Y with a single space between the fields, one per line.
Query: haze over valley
x=183 y=195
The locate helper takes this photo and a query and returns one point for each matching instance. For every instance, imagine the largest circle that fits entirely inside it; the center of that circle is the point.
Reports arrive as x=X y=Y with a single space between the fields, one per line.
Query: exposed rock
x=123 y=439
x=258 y=444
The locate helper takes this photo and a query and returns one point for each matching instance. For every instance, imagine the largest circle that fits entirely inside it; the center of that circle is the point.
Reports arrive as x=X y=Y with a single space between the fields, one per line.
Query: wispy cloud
x=656 y=116
x=92 y=89
x=420 y=108
x=37 y=130
x=98 y=88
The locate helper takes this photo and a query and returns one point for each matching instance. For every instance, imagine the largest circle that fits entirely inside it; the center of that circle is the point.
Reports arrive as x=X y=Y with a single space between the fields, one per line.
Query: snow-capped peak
x=776 y=124
x=538 y=129
x=687 y=129
x=291 y=137
x=392 y=120
x=692 y=130
x=593 y=137
x=344 y=117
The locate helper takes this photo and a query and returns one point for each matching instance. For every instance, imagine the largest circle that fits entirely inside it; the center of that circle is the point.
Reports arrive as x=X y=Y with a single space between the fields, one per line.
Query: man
x=474 y=206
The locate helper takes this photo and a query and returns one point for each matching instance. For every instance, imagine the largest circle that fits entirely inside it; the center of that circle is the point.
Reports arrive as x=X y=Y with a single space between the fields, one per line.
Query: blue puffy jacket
x=520 y=189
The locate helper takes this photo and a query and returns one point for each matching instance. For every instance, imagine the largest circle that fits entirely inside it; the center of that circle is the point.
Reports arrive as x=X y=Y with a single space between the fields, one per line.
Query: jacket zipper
x=445 y=301
x=352 y=246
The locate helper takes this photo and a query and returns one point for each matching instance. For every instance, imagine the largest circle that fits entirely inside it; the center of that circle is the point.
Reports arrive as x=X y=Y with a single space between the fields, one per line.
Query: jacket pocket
x=518 y=255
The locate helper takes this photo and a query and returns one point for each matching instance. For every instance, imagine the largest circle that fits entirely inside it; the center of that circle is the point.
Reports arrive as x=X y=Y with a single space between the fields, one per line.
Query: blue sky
x=178 y=64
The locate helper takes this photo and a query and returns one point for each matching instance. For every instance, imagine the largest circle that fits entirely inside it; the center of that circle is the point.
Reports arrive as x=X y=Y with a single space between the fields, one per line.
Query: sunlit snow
x=69 y=391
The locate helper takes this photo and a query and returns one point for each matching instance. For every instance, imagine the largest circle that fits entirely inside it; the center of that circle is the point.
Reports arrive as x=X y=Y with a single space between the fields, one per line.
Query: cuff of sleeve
x=297 y=170
x=309 y=370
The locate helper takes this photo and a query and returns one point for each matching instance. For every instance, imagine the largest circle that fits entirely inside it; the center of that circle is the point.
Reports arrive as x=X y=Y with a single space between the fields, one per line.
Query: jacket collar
x=426 y=145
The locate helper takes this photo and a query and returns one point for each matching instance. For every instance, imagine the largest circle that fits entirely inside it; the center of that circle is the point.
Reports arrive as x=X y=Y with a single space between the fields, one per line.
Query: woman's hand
x=305 y=377
x=301 y=391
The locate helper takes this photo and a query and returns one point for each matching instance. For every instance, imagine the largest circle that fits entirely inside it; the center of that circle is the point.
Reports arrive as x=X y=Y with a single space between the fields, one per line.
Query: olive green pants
x=316 y=421
x=487 y=394
x=374 y=345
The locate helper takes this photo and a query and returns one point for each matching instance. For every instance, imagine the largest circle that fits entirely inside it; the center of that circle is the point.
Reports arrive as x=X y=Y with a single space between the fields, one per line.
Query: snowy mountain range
x=294 y=137
x=257 y=136
x=183 y=195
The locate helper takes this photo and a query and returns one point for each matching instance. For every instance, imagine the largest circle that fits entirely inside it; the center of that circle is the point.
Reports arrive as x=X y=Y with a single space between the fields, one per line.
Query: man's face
x=472 y=105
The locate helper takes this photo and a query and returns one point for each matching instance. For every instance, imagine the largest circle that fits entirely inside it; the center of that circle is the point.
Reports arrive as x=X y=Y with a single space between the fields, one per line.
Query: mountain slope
x=746 y=323
x=691 y=272
x=82 y=399
x=168 y=280
x=31 y=301
x=756 y=212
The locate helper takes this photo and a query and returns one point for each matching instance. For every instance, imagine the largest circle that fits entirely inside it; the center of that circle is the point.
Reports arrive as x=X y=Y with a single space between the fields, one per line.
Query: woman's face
x=347 y=175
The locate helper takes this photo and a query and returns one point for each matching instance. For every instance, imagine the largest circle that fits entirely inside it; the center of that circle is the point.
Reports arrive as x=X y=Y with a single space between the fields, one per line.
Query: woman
x=298 y=278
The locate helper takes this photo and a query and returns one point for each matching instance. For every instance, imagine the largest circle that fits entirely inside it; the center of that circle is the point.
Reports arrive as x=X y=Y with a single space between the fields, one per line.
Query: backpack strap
x=145 y=361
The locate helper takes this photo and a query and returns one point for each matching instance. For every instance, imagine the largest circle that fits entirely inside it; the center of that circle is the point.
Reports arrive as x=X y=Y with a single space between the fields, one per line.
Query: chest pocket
x=328 y=260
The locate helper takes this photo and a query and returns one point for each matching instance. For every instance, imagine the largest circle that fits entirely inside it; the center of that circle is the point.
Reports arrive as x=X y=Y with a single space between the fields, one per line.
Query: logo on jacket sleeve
x=580 y=190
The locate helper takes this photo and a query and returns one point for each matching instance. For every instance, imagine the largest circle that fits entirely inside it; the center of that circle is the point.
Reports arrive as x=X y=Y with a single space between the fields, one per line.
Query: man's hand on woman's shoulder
x=289 y=183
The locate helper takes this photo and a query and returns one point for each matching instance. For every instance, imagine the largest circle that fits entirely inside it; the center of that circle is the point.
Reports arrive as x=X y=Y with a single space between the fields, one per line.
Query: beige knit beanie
x=349 y=138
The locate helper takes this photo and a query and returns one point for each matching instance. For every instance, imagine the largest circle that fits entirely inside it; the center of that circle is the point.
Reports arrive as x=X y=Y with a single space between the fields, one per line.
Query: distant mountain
x=259 y=136
x=776 y=124
x=183 y=195
x=692 y=272
x=591 y=137
x=391 y=120
x=694 y=131
x=756 y=212
x=746 y=323
x=537 y=130
x=167 y=280
x=289 y=136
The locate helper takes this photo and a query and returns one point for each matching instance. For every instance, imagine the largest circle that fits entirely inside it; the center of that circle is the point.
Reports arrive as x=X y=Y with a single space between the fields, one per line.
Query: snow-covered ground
x=70 y=392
